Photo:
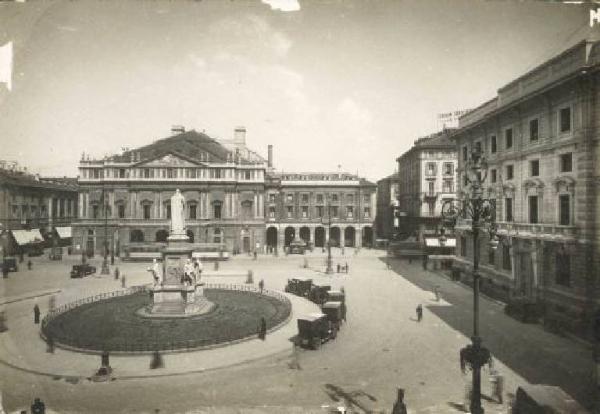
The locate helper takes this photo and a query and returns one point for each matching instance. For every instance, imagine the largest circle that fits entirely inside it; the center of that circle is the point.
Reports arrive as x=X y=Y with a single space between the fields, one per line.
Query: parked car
x=56 y=253
x=338 y=296
x=82 y=270
x=11 y=263
x=333 y=310
x=313 y=330
x=297 y=246
x=299 y=286
x=318 y=293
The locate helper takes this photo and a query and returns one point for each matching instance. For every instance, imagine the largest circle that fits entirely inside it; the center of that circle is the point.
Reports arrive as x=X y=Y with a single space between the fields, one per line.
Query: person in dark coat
x=36 y=314
x=261 y=285
x=117 y=272
x=419 y=312
x=38 y=407
x=338 y=268
x=5 y=270
x=29 y=265
x=399 y=406
x=262 y=331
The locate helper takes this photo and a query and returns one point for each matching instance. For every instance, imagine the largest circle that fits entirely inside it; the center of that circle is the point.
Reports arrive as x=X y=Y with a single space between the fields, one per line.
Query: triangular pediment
x=170 y=159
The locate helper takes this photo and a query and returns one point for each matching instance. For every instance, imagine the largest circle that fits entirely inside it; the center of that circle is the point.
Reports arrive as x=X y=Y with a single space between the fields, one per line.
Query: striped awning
x=64 y=232
x=23 y=237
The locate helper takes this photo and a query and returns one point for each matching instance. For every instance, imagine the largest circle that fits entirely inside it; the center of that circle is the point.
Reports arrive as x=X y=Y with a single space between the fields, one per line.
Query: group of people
x=191 y=272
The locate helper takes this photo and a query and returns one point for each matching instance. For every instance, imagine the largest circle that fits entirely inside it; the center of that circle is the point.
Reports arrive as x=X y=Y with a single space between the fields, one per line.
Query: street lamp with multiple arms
x=329 y=269
x=482 y=212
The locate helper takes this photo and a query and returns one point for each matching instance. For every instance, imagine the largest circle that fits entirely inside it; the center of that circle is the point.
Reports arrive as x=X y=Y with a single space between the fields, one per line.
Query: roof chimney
x=270 y=156
x=177 y=129
x=239 y=136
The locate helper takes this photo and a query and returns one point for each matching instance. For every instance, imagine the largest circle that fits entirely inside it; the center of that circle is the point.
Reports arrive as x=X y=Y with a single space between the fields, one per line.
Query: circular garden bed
x=113 y=325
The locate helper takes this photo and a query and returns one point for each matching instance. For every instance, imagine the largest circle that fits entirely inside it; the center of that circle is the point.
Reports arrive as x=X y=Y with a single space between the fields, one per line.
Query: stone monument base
x=177 y=301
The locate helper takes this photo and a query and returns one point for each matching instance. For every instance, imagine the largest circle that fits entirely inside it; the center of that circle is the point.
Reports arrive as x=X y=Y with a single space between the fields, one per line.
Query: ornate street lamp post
x=329 y=269
x=105 y=270
x=483 y=217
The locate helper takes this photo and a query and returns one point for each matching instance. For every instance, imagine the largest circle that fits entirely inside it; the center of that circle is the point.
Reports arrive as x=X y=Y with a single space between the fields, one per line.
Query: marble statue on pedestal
x=177 y=214
x=156 y=271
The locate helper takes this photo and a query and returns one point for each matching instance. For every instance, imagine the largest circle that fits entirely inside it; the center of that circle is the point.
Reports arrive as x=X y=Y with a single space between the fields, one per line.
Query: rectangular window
x=478 y=147
x=320 y=211
x=430 y=168
x=493 y=144
x=566 y=162
x=431 y=208
x=334 y=198
x=334 y=211
x=168 y=211
x=431 y=187
x=271 y=212
x=171 y=173
x=508 y=209
x=146 y=208
x=305 y=198
x=320 y=198
x=289 y=198
x=349 y=198
x=193 y=211
x=304 y=211
x=448 y=168
x=465 y=153
x=290 y=211
x=95 y=210
x=534 y=168
x=217 y=210
x=367 y=212
x=367 y=198
x=565 y=119
x=121 y=210
x=121 y=172
x=271 y=198
x=564 y=209
x=510 y=172
x=563 y=268
x=448 y=186
x=506 y=259
x=350 y=211
x=493 y=175
x=508 y=138
x=463 y=246
x=146 y=172
x=533 y=130
x=247 y=175
x=533 y=209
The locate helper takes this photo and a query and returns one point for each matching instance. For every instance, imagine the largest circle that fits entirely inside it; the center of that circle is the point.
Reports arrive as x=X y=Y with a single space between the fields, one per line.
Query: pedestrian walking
x=262 y=329
x=156 y=361
x=497 y=381
x=52 y=302
x=123 y=281
x=29 y=265
x=255 y=255
x=117 y=272
x=419 y=313
x=38 y=407
x=5 y=270
x=346 y=267
x=50 y=343
x=399 y=405
x=338 y=268
x=261 y=285
x=36 y=314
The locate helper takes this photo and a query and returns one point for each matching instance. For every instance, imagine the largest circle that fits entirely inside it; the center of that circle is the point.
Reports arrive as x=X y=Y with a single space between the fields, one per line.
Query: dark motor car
x=314 y=329
x=82 y=270
x=11 y=264
x=333 y=310
x=299 y=286
x=297 y=246
x=318 y=293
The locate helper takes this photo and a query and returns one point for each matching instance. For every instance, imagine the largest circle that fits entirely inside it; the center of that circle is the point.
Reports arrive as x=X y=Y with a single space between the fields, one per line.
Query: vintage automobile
x=11 y=263
x=333 y=310
x=318 y=293
x=56 y=253
x=299 y=286
x=544 y=399
x=297 y=246
x=313 y=330
x=82 y=270
x=338 y=296
x=35 y=250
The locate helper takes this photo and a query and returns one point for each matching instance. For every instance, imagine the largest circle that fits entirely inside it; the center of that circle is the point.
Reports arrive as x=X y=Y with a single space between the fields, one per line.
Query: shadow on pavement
x=534 y=354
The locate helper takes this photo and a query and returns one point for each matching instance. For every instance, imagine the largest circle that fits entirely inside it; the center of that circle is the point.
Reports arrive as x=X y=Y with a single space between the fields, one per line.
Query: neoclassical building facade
x=234 y=198
x=540 y=137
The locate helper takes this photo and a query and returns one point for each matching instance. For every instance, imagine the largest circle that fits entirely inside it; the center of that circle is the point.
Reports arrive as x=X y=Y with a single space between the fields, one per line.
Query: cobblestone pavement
x=381 y=347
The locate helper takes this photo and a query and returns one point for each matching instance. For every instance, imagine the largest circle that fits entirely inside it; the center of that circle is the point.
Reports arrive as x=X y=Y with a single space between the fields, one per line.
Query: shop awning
x=64 y=232
x=23 y=237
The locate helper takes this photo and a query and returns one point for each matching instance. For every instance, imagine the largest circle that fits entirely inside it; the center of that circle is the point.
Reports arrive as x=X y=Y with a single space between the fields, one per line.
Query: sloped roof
x=191 y=143
x=26 y=180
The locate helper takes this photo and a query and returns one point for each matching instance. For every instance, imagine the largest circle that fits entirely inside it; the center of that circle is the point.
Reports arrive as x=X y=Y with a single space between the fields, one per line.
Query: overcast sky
x=350 y=83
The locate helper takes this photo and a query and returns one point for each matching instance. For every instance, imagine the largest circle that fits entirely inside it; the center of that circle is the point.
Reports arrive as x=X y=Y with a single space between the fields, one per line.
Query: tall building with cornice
x=540 y=138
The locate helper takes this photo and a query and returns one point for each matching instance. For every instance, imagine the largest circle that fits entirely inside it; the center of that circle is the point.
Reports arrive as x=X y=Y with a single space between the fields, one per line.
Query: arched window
x=136 y=236
x=217 y=236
